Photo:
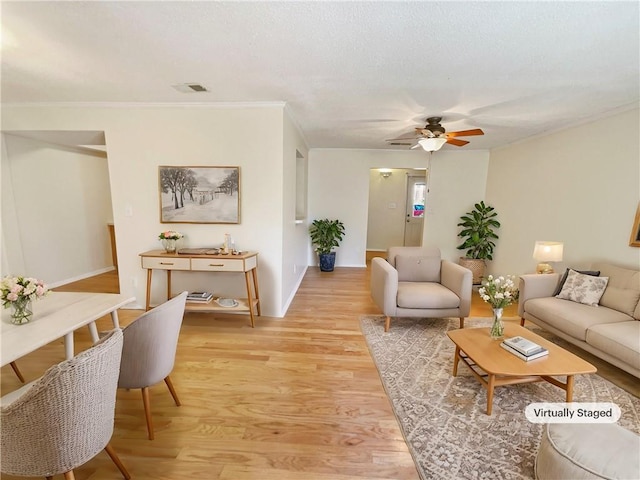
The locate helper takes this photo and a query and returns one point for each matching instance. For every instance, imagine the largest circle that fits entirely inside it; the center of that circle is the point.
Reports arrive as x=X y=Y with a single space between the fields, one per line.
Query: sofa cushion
x=623 y=290
x=563 y=279
x=581 y=288
x=423 y=268
x=620 y=340
x=425 y=295
x=572 y=318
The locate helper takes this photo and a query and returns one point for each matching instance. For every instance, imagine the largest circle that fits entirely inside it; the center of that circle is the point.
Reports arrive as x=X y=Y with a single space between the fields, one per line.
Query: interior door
x=414 y=221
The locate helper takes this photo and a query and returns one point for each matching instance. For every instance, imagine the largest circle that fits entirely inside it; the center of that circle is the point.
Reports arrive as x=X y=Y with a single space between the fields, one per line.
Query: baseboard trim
x=81 y=277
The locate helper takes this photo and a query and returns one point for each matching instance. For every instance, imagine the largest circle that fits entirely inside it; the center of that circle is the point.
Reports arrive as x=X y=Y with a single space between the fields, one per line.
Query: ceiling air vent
x=190 y=88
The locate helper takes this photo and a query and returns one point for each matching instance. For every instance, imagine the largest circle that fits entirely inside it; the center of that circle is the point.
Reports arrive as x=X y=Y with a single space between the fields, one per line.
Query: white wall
x=56 y=207
x=580 y=186
x=295 y=239
x=139 y=139
x=339 y=188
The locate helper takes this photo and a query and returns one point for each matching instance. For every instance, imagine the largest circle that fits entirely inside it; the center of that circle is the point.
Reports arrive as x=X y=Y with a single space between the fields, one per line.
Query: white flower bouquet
x=499 y=292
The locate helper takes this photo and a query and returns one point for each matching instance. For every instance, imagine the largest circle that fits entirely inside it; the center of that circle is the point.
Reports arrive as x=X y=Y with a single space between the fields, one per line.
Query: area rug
x=443 y=417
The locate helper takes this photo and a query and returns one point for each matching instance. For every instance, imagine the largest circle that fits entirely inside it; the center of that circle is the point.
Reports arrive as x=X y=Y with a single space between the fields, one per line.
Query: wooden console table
x=246 y=263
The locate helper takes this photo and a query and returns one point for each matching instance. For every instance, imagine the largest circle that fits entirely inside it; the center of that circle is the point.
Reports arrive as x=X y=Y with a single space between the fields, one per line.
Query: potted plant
x=326 y=234
x=478 y=233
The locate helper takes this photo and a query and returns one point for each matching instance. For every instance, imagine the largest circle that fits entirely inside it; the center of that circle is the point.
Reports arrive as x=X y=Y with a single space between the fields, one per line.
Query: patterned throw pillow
x=583 y=288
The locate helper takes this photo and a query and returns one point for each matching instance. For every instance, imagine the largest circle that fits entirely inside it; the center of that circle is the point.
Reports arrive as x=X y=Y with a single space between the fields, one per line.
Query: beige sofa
x=610 y=330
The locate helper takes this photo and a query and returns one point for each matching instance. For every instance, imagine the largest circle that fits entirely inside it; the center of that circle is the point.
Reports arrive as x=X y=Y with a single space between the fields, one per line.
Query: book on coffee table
x=540 y=353
x=522 y=345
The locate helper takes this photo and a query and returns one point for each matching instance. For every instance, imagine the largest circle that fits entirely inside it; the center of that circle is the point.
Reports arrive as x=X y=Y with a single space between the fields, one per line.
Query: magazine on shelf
x=522 y=345
x=201 y=297
x=542 y=353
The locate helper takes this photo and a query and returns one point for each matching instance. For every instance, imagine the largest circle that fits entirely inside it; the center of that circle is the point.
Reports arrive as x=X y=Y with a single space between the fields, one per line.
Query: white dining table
x=55 y=316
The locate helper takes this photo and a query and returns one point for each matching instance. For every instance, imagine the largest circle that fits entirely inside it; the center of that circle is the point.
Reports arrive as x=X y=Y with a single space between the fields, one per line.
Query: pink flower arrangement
x=170 y=235
x=18 y=289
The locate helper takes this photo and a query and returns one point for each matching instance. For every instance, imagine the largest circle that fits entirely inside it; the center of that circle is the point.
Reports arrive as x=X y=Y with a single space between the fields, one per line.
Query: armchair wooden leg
x=49 y=478
x=387 y=323
x=14 y=365
x=172 y=390
x=69 y=475
x=461 y=322
x=522 y=320
x=147 y=411
x=114 y=456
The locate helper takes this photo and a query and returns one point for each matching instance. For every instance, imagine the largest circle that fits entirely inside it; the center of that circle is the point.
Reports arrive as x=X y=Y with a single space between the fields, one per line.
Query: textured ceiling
x=352 y=73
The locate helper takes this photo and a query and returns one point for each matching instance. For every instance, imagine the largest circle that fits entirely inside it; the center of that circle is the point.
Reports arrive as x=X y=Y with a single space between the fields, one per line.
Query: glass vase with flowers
x=17 y=293
x=499 y=292
x=169 y=239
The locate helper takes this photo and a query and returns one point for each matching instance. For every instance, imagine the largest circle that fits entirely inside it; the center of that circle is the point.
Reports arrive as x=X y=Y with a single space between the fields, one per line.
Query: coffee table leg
x=490 y=386
x=456 y=358
x=569 y=388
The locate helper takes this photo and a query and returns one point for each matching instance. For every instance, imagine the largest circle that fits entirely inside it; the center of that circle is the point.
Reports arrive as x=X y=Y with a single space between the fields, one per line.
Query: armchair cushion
x=425 y=268
x=426 y=295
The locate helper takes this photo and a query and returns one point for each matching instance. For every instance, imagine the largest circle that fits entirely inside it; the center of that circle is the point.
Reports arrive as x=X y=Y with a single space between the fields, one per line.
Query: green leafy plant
x=478 y=232
x=326 y=234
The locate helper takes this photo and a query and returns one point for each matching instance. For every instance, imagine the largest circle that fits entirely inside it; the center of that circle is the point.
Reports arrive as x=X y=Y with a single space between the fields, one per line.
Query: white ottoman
x=580 y=451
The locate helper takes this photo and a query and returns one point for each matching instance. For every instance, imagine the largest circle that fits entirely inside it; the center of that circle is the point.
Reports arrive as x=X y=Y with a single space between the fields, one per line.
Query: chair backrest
x=150 y=344
x=415 y=264
x=66 y=417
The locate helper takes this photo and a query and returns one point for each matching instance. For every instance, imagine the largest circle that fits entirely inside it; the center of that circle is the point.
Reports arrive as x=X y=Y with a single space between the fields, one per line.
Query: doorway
x=414 y=210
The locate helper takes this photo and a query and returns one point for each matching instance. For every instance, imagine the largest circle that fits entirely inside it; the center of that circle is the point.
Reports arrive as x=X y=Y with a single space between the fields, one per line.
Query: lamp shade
x=432 y=144
x=548 y=251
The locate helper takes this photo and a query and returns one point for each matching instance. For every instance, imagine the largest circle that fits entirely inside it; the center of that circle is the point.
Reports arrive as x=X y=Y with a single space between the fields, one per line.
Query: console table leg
x=149 y=274
x=249 y=299
x=254 y=273
x=168 y=284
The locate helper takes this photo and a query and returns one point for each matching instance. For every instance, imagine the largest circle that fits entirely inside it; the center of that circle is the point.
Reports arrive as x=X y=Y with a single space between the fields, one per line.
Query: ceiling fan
x=433 y=136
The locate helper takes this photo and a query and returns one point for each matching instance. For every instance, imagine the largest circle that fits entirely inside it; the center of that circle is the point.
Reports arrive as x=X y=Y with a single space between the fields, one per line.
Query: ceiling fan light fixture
x=432 y=144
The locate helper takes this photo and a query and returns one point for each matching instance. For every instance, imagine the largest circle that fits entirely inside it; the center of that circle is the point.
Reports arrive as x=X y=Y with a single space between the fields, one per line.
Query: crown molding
x=148 y=104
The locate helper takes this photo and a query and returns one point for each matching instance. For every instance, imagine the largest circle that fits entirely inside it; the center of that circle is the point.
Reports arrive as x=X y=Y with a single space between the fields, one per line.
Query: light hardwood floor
x=295 y=398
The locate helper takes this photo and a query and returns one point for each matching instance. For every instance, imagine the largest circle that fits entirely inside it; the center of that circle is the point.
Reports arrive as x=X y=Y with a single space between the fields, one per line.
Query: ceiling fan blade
x=400 y=143
x=456 y=142
x=465 y=133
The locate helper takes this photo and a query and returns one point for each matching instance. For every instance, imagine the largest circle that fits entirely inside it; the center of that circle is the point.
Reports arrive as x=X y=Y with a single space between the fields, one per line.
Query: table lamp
x=545 y=252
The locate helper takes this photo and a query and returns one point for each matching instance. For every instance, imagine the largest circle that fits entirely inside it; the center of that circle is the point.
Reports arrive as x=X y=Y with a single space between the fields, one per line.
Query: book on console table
x=522 y=345
x=199 y=297
x=541 y=353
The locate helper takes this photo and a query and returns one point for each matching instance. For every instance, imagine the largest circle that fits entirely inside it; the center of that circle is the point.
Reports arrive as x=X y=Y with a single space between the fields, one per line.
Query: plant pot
x=327 y=261
x=477 y=267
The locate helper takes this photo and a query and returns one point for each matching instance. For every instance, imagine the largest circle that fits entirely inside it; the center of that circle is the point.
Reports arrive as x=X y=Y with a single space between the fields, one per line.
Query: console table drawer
x=166 y=263
x=217 y=264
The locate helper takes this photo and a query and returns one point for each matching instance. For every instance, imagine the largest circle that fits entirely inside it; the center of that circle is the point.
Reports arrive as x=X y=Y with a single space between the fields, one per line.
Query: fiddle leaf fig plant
x=326 y=234
x=478 y=232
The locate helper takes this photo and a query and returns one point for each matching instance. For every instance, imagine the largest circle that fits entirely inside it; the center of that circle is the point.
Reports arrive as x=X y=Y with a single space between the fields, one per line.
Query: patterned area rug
x=443 y=417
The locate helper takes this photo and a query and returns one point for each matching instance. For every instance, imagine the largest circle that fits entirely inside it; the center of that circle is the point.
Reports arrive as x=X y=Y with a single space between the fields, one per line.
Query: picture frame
x=199 y=194
x=634 y=241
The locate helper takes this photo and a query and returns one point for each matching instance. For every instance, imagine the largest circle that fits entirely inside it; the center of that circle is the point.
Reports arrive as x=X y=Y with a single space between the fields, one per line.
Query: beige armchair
x=416 y=282
x=65 y=418
x=149 y=351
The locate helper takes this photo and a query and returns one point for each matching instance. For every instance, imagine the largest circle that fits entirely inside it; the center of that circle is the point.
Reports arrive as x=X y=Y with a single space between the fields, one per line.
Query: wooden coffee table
x=498 y=367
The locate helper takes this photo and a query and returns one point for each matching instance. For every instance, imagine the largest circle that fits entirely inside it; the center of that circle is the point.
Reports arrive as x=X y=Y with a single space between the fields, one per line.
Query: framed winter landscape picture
x=199 y=194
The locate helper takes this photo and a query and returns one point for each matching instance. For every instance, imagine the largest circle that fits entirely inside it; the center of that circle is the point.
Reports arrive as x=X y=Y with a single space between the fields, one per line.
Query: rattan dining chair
x=65 y=418
x=149 y=351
